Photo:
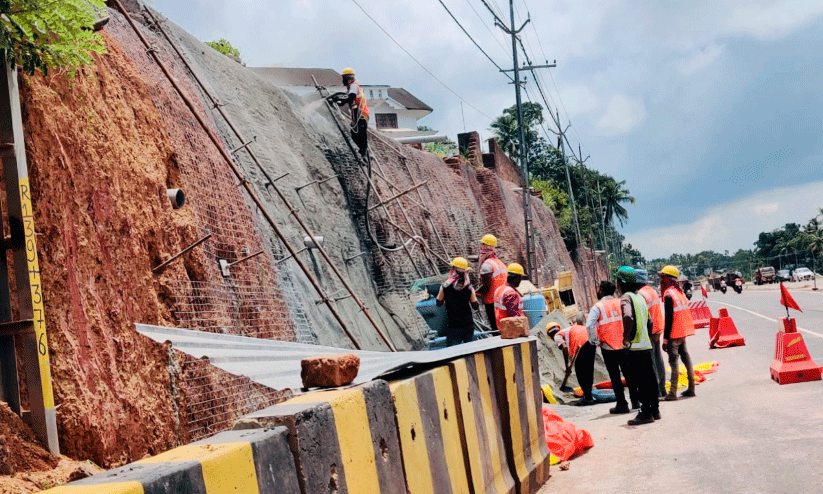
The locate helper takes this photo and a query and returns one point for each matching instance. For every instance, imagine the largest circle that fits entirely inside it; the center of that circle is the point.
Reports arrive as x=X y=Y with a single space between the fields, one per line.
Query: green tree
x=43 y=34
x=224 y=47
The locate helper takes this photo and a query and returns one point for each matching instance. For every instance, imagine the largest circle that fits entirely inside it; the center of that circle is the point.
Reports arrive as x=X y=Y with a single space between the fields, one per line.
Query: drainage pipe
x=240 y=176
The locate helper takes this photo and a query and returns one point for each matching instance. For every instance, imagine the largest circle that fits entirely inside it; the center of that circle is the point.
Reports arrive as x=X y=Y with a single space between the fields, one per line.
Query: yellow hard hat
x=460 y=263
x=671 y=271
x=515 y=268
x=489 y=240
x=348 y=71
x=553 y=325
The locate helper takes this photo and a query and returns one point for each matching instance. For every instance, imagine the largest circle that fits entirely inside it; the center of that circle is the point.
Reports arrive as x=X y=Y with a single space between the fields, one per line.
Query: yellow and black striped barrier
x=344 y=440
x=252 y=462
x=517 y=383
x=477 y=407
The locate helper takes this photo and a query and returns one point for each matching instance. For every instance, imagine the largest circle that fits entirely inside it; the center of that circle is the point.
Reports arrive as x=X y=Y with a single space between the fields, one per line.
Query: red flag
x=703 y=288
x=787 y=300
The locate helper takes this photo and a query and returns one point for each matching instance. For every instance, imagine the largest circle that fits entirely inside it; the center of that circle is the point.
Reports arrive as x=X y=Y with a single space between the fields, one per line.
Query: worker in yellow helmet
x=492 y=275
x=507 y=300
x=356 y=99
x=460 y=298
x=678 y=325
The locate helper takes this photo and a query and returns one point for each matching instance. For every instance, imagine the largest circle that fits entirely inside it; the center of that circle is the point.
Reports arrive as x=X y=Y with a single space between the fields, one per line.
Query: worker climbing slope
x=356 y=99
x=460 y=298
x=507 y=300
x=493 y=274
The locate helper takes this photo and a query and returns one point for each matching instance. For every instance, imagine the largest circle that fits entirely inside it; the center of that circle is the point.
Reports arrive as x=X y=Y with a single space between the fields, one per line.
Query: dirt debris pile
x=102 y=150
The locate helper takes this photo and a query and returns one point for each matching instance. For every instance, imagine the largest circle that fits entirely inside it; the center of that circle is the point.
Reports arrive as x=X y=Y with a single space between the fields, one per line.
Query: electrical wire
x=473 y=41
x=418 y=61
x=493 y=33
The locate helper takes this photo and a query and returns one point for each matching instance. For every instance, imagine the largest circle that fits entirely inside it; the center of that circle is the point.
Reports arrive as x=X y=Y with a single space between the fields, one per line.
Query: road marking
x=815 y=333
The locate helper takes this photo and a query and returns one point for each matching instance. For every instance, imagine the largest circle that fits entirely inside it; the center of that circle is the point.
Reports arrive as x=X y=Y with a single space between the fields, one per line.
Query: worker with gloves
x=678 y=326
x=605 y=327
x=507 y=300
x=577 y=352
x=460 y=298
x=656 y=315
x=493 y=274
x=356 y=99
x=637 y=329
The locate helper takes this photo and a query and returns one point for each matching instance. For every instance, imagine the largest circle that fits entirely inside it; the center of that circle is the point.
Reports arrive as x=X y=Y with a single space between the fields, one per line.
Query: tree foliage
x=224 y=47
x=43 y=34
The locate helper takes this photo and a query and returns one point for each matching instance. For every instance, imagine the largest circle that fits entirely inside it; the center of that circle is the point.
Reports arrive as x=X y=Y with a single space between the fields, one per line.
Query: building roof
x=285 y=76
x=406 y=99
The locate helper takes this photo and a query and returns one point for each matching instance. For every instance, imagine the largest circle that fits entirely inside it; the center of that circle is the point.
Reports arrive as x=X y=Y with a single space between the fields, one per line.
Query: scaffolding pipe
x=237 y=172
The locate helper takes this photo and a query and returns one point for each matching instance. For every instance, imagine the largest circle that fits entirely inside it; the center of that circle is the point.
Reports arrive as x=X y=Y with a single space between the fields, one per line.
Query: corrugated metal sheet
x=276 y=364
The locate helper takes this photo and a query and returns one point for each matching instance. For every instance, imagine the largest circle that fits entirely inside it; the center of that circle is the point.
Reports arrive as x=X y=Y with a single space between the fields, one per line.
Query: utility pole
x=531 y=260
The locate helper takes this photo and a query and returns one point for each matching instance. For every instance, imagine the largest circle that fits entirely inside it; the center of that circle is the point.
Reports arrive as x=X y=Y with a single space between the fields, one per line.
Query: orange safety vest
x=655 y=308
x=499 y=275
x=500 y=310
x=575 y=336
x=610 y=323
x=682 y=325
x=359 y=107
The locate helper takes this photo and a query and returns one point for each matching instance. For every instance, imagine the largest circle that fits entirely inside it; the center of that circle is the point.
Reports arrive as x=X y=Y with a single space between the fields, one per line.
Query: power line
x=472 y=39
x=418 y=61
x=494 y=35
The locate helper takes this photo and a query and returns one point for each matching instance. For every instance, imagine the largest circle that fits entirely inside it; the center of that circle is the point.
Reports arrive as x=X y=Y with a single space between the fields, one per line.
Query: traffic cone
x=723 y=333
x=792 y=363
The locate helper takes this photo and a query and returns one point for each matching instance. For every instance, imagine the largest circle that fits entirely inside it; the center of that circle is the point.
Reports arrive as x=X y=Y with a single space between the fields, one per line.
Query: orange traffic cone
x=792 y=363
x=723 y=333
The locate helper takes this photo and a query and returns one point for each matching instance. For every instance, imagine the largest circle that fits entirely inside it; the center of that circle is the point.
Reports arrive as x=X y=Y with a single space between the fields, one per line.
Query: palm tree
x=614 y=194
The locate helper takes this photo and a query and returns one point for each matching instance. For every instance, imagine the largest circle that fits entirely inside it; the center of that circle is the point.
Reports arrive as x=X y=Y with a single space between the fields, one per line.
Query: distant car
x=802 y=274
x=783 y=275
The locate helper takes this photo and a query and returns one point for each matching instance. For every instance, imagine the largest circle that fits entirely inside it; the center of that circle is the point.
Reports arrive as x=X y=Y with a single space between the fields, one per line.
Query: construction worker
x=605 y=328
x=507 y=300
x=493 y=275
x=678 y=326
x=637 y=329
x=577 y=352
x=656 y=315
x=356 y=99
x=460 y=298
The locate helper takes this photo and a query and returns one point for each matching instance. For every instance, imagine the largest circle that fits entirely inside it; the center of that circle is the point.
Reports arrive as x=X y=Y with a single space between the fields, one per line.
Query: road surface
x=742 y=433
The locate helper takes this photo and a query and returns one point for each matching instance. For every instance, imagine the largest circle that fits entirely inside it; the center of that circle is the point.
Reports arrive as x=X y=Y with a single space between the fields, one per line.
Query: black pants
x=615 y=361
x=456 y=336
x=642 y=377
x=584 y=368
x=491 y=317
x=360 y=134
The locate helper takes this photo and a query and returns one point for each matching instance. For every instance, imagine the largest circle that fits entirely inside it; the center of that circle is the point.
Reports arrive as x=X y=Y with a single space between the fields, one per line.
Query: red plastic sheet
x=563 y=438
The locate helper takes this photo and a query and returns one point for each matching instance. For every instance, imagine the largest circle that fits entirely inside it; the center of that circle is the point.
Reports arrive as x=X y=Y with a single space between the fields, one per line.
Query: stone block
x=514 y=327
x=329 y=370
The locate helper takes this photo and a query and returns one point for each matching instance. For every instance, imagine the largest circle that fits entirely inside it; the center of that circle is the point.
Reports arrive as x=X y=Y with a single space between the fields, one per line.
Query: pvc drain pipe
x=176 y=197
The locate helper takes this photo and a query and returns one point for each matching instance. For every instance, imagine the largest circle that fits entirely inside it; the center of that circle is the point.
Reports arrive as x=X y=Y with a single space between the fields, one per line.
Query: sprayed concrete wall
x=103 y=148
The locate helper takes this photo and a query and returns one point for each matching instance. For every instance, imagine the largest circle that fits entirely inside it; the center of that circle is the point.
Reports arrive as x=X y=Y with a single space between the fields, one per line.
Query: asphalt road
x=742 y=433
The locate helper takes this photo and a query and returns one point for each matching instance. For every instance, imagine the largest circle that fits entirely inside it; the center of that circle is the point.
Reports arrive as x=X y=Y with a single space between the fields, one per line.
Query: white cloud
x=701 y=59
x=732 y=226
x=622 y=115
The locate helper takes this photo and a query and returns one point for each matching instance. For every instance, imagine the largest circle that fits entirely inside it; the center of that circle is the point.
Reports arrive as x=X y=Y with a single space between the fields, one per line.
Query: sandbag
x=563 y=438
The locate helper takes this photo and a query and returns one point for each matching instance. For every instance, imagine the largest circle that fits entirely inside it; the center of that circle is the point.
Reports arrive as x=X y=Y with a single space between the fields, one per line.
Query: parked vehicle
x=784 y=275
x=802 y=274
x=765 y=274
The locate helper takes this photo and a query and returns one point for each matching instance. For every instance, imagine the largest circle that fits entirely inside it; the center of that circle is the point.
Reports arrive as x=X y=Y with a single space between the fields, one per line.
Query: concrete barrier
x=343 y=441
x=519 y=398
x=430 y=433
x=250 y=461
x=482 y=439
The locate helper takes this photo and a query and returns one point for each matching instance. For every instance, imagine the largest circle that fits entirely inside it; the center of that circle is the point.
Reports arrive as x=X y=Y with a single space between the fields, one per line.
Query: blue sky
x=712 y=111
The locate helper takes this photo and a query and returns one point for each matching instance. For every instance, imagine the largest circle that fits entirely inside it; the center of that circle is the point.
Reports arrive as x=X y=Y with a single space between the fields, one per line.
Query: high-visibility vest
x=359 y=107
x=499 y=275
x=610 y=323
x=575 y=337
x=682 y=323
x=641 y=340
x=655 y=308
x=500 y=310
